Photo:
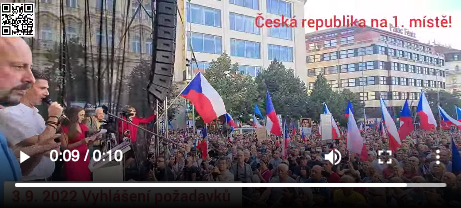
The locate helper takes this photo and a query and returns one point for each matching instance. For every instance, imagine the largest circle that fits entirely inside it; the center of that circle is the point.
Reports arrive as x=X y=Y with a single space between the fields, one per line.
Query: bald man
x=15 y=78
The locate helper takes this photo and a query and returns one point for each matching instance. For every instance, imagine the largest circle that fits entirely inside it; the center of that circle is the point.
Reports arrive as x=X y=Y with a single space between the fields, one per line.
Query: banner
x=261 y=134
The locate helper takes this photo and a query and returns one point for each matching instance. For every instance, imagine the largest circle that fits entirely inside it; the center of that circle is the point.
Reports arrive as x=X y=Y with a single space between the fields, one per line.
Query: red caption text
x=443 y=21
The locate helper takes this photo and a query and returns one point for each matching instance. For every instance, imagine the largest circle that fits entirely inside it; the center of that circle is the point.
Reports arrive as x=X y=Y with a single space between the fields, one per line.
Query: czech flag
x=256 y=123
x=204 y=144
x=336 y=133
x=349 y=106
x=272 y=123
x=204 y=97
x=394 y=137
x=230 y=121
x=406 y=122
x=447 y=120
x=458 y=113
x=354 y=140
x=455 y=158
x=286 y=141
x=426 y=116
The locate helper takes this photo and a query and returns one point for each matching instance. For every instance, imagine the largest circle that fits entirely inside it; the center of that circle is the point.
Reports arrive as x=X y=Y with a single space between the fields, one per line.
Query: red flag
x=364 y=153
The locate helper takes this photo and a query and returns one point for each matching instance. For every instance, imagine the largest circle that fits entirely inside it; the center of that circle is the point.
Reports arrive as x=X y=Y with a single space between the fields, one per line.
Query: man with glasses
x=161 y=171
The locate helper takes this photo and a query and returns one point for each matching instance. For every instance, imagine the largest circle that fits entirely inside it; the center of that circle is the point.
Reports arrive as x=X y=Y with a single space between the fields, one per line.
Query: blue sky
x=403 y=9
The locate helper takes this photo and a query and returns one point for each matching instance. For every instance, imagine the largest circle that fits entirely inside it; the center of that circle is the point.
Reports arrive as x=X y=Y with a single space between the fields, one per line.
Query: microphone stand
x=142 y=128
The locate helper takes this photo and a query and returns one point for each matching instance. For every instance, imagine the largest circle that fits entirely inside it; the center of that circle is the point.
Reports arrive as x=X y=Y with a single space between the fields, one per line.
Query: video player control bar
x=222 y=185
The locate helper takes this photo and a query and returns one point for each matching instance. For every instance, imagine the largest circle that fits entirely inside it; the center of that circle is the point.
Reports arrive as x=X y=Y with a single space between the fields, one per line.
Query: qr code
x=18 y=19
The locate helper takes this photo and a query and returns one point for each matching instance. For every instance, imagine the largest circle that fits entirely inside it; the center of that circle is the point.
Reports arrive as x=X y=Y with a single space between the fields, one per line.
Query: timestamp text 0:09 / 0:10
x=74 y=155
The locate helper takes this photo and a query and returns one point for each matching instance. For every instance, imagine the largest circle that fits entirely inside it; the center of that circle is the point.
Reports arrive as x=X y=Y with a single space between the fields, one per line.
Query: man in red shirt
x=130 y=131
x=333 y=178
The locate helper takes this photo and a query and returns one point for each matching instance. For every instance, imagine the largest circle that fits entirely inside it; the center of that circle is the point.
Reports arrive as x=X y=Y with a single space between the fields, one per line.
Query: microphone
x=48 y=101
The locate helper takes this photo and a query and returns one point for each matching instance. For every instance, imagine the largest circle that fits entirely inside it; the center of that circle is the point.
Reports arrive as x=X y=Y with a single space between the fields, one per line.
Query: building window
x=361 y=51
x=244 y=23
x=371 y=95
x=280 y=32
x=107 y=42
x=381 y=65
x=311 y=85
x=411 y=96
x=252 y=71
x=136 y=44
x=369 y=50
x=46 y=32
x=245 y=48
x=419 y=70
x=344 y=68
x=326 y=57
x=333 y=83
x=395 y=66
x=391 y=52
x=134 y=8
x=418 y=82
x=204 y=15
x=278 y=7
x=45 y=1
x=350 y=53
x=403 y=95
x=201 y=66
x=425 y=70
x=370 y=65
x=204 y=43
x=108 y=5
x=351 y=67
x=403 y=81
x=394 y=80
x=411 y=82
x=71 y=32
x=363 y=95
x=362 y=81
x=252 y=4
x=383 y=80
x=311 y=46
x=343 y=54
x=370 y=80
x=319 y=71
x=148 y=46
x=384 y=95
x=333 y=55
x=411 y=68
x=351 y=82
x=280 y=53
x=402 y=67
x=311 y=72
x=362 y=66
x=344 y=83
x=395 y=96
x=72 y=3
x=382 y=50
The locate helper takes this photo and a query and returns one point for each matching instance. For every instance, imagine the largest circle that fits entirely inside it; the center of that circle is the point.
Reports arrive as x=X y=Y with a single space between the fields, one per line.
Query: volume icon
x=334 y=157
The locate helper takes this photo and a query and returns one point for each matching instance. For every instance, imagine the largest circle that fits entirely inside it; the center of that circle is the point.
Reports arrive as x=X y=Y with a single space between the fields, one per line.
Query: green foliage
x=448 y=101
x=138 y=81
x=76 y=78
x=239 y=92
x=336 y=101
x=288 y=92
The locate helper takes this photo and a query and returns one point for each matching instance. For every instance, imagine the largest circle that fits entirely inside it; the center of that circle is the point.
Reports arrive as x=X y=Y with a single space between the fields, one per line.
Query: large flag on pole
x=230 y=121
x=258 y=112
x=354 y=139
x=336 y=133
x=447 y=119
x=205 y=98
x=406 y=121
x=426 y=117
x=272 y=123
x=455 y=158
x=458 y=113
x=348 y=110
x=394 y=137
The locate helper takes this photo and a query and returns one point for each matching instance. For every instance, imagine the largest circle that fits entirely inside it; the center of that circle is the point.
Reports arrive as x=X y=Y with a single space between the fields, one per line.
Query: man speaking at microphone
x=15 y=78
x=24 y=127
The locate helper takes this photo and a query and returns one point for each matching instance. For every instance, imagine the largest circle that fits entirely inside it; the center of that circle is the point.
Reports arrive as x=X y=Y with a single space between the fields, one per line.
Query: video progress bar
x=224 y=185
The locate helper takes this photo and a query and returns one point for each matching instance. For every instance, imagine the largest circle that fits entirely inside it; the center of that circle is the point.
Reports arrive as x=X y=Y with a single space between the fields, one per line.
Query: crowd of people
x=247 y=159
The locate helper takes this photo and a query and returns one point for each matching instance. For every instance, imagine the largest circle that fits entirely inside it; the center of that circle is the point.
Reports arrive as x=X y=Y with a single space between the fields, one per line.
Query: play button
x=23 y=157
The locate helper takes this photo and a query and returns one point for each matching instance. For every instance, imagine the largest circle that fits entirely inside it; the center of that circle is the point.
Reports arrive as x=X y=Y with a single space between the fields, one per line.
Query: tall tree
x=75 y=75
x=336 y=101
x=448 y=101
x=237 y=91
x=138 y=81
x=288 y=92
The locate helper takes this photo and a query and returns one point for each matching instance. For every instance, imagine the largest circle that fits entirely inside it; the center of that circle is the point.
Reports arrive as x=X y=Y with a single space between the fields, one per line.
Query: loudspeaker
x=164 y=45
